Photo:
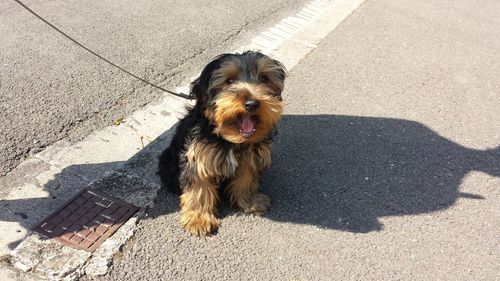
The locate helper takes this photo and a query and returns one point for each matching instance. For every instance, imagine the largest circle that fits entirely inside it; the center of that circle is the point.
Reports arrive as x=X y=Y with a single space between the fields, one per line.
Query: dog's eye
x=263 y=79
x=230 y=81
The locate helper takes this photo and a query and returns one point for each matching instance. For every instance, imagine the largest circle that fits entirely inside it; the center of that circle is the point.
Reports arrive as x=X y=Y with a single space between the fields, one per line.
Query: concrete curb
x=121 y=160
x=49 y=259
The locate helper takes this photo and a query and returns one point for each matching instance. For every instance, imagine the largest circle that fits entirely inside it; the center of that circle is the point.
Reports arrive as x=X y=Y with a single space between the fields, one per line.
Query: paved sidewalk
x=387 y=166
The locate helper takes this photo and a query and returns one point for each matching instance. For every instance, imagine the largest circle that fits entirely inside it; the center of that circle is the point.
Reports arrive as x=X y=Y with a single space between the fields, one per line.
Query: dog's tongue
x=247 y=124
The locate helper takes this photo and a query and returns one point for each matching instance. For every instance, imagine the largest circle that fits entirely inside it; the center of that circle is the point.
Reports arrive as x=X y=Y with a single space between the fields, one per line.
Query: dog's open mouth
x=247 y=124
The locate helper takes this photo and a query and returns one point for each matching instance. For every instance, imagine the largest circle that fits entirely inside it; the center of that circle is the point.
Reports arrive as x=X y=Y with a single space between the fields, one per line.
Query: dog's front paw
x=259 y=203
x=200 y=224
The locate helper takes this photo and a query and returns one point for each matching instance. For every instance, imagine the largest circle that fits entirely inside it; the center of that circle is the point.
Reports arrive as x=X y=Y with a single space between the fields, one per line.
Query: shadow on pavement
x=344 y=172
x=338 y=172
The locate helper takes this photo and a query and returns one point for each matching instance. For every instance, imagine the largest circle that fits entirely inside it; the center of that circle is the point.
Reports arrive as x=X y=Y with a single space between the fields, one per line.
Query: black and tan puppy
x=224 y=142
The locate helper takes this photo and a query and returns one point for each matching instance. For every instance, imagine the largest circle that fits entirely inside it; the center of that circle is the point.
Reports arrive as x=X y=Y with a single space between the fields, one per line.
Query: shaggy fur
x=225 y=139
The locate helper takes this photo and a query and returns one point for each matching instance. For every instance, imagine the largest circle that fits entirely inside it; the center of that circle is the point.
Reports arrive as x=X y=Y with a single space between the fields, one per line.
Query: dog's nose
x=252 y=105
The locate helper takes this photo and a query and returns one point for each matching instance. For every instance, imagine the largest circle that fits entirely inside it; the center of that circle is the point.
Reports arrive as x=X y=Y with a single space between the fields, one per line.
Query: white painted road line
x=295 y=36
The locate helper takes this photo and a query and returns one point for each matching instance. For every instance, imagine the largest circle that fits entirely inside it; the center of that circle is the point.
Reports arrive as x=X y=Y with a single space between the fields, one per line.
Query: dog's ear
x=280 y=72
x=274 y=71
x=197 y=91
x=200 y=86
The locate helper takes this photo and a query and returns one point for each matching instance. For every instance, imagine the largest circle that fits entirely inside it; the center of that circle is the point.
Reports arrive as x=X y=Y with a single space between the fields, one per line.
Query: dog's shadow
x=345 y=172
x=338 y=172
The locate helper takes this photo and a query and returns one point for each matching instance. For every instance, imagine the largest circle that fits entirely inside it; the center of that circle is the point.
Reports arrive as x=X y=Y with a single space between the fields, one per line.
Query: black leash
x=182 y=95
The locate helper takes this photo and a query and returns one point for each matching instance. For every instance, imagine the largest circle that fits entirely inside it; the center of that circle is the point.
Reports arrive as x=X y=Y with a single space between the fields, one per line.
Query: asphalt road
x=387 y=166
x=52 y=89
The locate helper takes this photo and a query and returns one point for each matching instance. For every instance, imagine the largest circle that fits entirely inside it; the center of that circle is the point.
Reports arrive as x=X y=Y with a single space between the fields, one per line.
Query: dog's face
x=240 y=94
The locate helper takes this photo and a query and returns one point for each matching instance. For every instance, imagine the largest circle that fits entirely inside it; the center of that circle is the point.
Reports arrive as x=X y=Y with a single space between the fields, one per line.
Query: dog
x=223 y=144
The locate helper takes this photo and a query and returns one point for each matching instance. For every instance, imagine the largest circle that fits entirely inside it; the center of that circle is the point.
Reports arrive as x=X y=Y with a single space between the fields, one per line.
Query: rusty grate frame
x=86 y=220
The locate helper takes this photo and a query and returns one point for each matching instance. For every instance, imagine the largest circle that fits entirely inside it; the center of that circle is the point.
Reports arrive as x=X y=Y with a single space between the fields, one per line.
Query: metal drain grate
x=85 y=221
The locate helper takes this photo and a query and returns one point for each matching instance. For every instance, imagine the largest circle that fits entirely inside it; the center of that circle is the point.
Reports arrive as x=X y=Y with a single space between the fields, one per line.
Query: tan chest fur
x=208 y=161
